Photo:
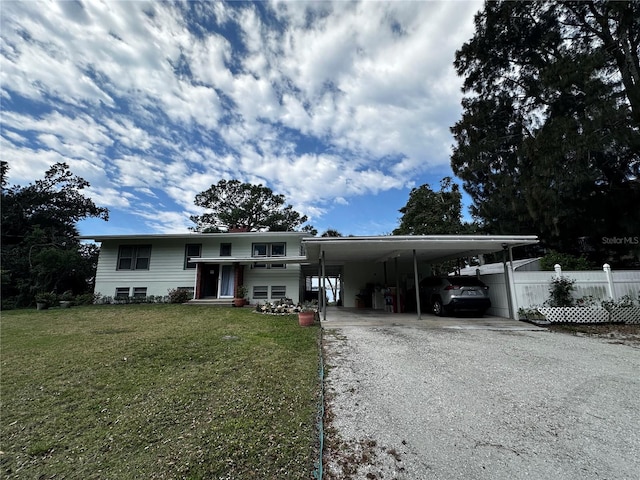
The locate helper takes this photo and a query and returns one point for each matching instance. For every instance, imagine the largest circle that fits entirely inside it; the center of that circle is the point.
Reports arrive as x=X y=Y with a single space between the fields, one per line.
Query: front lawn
x=157 y=391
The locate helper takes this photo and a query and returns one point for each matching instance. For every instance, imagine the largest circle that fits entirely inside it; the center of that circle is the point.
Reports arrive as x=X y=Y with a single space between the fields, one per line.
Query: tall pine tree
x=549 y=139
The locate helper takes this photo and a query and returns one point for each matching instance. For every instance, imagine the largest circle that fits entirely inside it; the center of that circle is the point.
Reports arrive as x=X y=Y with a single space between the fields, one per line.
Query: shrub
x=86 y=299
x=566 y=261
x=48 y=298
x=179 y=295
x=560 y=292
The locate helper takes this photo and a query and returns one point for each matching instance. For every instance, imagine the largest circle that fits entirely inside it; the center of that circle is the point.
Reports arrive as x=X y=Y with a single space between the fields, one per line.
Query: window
x=134 y=257
x=225 y=249
x=259 y=249
x=139 y=292
x=192 y=250
x=122 y=292
x=279 y=291
x=260 y=293
x=269 y=250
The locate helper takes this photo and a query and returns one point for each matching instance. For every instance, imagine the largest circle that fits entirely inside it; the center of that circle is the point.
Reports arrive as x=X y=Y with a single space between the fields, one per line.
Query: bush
x=566 y=261
x=179 y=295
x=86 y=299
x=48 y=298
x=560 y=292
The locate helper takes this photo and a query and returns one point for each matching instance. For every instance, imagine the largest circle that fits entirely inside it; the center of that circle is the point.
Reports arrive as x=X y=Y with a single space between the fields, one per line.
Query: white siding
x=497 y=294
x=166 y=269
x=166 y=265
x=356 y=278
x=288 y=277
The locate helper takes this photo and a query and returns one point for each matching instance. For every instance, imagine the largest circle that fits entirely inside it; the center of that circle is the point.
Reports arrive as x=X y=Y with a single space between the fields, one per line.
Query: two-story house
x=211 y=265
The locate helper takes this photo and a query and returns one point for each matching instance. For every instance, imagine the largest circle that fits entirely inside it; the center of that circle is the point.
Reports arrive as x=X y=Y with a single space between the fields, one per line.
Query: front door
x=210 y=281
x=226 y=281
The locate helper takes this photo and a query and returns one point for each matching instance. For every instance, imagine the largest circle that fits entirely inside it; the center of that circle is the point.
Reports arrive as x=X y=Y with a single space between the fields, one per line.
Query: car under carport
x=396 y=263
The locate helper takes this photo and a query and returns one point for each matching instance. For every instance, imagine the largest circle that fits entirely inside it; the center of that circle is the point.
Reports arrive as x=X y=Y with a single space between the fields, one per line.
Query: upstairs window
x=268 y=250
x=134 y=257
x=259 y=249
x=225 y=249
x=192 y=250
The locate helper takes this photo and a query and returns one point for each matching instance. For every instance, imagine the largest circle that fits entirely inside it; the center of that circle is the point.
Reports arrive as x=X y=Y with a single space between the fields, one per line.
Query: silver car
x=446 y=295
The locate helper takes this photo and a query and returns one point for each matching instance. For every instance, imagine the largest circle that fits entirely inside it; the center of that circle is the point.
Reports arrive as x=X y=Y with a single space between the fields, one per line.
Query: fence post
x=607 y=273
x=558 y=270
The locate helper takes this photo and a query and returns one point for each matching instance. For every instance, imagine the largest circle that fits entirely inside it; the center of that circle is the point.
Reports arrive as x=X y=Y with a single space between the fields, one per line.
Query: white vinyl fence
x=531 y=289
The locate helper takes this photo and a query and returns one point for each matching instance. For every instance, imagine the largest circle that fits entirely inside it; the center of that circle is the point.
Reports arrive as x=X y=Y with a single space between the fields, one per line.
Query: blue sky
x=342 y=107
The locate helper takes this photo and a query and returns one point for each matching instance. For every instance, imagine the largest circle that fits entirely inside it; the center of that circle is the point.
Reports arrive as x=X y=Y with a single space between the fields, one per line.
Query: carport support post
x=512 y=287
x=417 y=286
x=324 y=295
x=507 y=280
x=395 y=261
x=320 y=281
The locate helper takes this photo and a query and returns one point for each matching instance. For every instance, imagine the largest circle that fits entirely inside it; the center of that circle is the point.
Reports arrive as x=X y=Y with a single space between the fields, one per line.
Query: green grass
x=157 y=391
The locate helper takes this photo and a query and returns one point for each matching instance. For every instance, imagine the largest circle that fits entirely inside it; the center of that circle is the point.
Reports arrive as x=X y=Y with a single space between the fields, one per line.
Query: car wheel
x=438 y=308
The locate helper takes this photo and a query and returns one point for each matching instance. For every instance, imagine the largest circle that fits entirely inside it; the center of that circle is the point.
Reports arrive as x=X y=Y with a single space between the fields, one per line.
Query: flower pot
x=42 y=305
x=65 y=303
x=239 y=302
x=306 y=319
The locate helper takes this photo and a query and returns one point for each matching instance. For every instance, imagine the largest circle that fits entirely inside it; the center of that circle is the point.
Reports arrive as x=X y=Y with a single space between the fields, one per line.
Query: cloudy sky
x=342 y=107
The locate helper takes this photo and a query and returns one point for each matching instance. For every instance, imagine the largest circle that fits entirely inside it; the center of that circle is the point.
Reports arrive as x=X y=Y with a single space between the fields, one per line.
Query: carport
x=396 y=260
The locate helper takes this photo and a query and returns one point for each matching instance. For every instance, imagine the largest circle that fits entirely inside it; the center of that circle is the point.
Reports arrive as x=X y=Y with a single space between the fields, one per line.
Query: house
x=373 y=271
x=210 y=265
x=522 y=265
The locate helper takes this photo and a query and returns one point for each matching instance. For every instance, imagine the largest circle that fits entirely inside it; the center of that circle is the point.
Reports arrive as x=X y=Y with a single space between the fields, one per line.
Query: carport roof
x=429 y=248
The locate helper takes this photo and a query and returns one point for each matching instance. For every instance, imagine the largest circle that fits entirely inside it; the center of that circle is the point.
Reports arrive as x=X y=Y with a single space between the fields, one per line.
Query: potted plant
x=66 y=299
x=241 y=293
x=307 y=313
x=44 y=300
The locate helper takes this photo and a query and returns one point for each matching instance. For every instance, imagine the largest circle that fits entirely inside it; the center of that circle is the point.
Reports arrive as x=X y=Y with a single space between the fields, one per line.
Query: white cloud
x=349 y=99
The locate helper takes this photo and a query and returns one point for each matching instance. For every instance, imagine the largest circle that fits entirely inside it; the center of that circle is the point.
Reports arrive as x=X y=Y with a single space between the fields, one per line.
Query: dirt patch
x=623 y=334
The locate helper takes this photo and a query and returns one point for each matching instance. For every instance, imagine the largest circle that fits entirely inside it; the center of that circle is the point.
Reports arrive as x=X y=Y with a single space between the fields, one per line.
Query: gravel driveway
x=409 y=402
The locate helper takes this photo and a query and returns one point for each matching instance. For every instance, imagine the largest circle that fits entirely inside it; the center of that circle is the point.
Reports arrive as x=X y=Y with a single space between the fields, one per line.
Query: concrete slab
x=338 y=317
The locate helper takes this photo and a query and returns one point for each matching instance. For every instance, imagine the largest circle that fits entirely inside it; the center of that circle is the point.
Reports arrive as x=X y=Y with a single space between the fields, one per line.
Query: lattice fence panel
x=626 y=315
x=575 y=314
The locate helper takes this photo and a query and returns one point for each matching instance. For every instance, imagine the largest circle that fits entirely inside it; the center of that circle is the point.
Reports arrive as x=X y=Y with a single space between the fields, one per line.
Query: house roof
x=190 y=236
x=428 y=248
x=340 y=250
x=488 y=268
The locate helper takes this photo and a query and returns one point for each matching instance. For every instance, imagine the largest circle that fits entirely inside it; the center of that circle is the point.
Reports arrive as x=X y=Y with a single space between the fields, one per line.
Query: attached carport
x=398 y=260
